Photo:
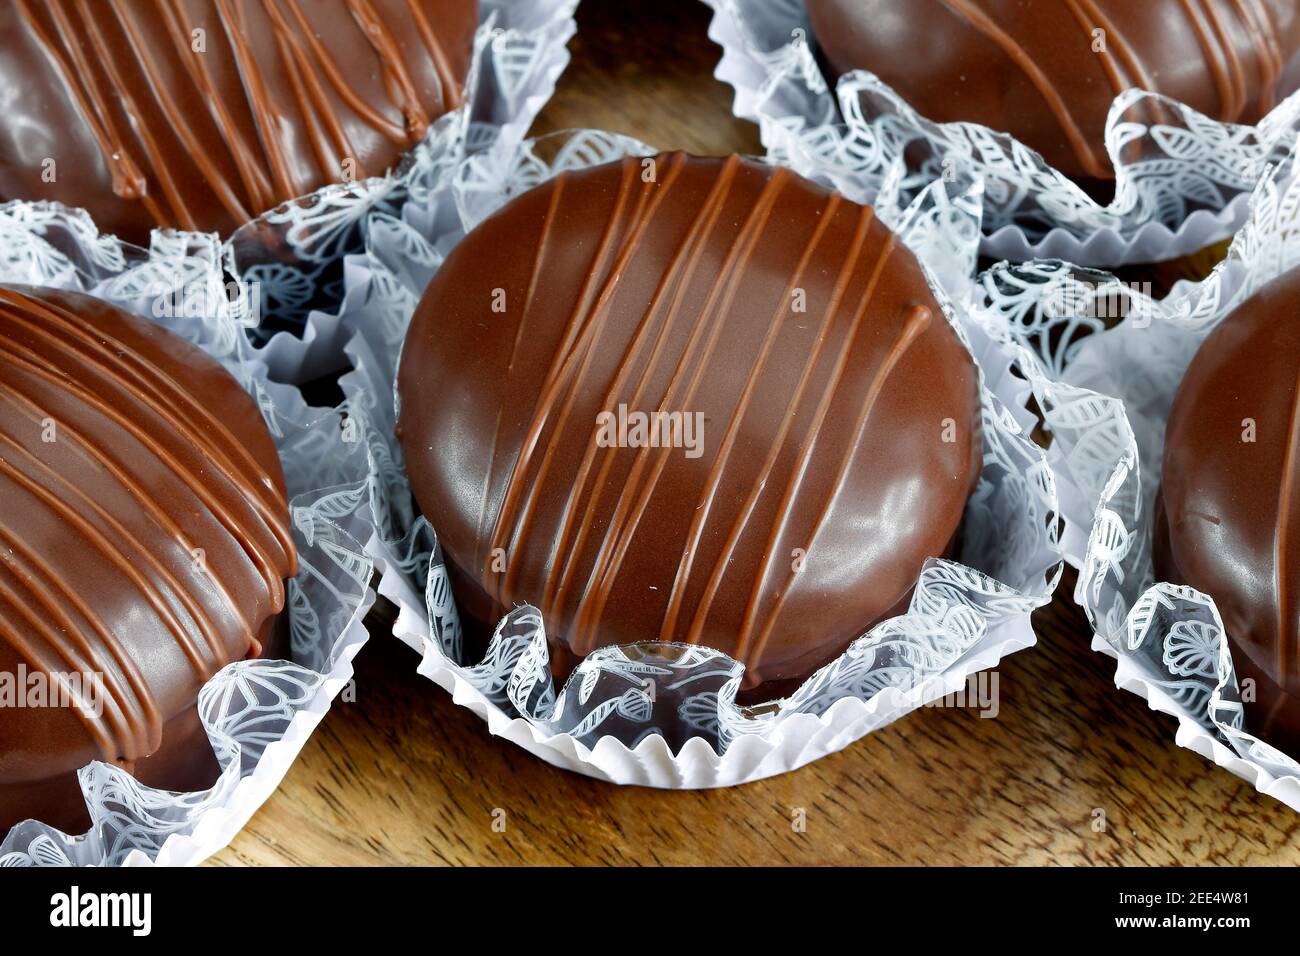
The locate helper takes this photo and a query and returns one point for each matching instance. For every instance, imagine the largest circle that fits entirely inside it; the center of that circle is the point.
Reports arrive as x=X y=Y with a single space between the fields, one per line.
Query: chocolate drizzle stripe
x=687 y=253
x=449 y=92
x=305 y=87
x=256 y=185
x=128 y=179
x=1214 y=55
x=1125 y=68
x=628 y=514
x=142 y=496
x=375 y=29
x=1109 y=64
x=704 y=504
x=1236 y=72
x=1134 y=71
x=160 y=392
x=1044 y=85
x=1121 y=74
x=760 y=484
x=578 y=323
x=260 y=556
x=202 y=663
x=131 y=76
x=259 y=104
x=557 y=586
x=578 y=638
x=49 y=591
x=647 y=202
x=1254 y=14
x=517 y=479
x=1286 y=611
x=140 y=733
x=113 y=725
x=121 y=361
x=177 y=120
x=744 y=649
x=543 y=246
x=155 y=155
x=1122 y=66
x=105 y=728
x=331 y=72
x=918 y=318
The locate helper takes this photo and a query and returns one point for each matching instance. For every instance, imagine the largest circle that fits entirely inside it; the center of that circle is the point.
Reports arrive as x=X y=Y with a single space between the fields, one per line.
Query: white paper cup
x=257 y=713
x=963 y=618
x=1105 y=396
x=1185 y=188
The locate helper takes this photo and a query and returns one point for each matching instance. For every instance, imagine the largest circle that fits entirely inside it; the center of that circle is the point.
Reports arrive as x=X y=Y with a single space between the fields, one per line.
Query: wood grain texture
x=401 y=775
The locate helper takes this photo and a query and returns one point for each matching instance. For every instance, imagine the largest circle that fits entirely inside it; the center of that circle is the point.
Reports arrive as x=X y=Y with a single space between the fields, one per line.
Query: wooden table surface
x=403 y=776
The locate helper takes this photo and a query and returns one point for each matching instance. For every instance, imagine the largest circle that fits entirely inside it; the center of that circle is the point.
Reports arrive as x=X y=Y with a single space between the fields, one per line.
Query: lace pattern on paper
x=1186 y=174
x=1010 y=560
x=1105 y=390
x=248 y=706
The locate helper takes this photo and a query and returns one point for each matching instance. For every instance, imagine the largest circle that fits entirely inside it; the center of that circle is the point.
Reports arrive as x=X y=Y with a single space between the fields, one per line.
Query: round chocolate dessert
x=144 y=546
x=1047 y=71
x=202 y=114
x=690 y=400
x=1228 y=521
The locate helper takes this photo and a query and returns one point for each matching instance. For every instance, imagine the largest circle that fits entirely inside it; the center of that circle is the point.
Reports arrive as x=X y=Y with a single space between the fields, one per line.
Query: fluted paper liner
x=295 y=251
x=1105 y=396
x=1181 y=184
x=606 y=722
x=257 y=713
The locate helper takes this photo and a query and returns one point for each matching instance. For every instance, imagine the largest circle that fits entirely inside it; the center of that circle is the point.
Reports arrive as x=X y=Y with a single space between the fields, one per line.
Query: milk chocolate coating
x=1028 y=67
x=1229 y=524
x=147 y=131
x=144 y=537
x=841 y=414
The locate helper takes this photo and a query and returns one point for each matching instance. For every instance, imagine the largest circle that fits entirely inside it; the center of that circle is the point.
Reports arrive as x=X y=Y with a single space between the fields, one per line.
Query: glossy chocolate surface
x=285 y=96
x=838 y=412
x=1230 y=518
x=1029 y=67
x=144 y=535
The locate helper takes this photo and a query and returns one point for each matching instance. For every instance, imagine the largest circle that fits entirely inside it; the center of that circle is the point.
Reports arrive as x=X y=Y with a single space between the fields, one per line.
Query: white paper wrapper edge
x=220 y=825
x=756 y=79
x=799 y=738
x=1098 y=488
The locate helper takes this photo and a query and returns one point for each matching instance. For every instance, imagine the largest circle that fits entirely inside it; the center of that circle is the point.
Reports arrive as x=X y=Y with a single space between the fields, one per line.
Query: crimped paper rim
x=799 y=739
x=218 y=826
x=1107 y=248
x=287 y=357
x=793 y=741
x=747 y=75
x=1196 y=738
x=1266 y=242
